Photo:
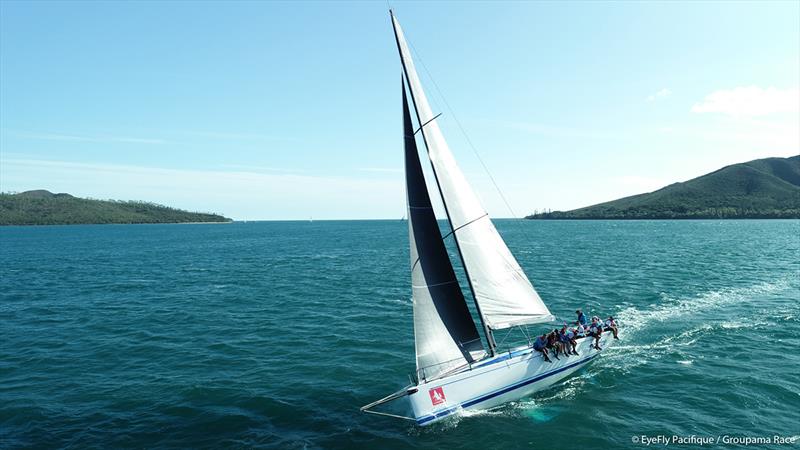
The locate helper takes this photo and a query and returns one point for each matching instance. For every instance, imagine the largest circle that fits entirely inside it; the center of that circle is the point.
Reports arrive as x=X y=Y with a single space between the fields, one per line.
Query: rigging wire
x=463 y=131
x=517 y=220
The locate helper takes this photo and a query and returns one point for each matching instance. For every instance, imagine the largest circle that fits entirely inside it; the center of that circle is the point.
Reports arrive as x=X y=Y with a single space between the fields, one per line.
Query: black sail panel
x=504 y=297
x=443 y=325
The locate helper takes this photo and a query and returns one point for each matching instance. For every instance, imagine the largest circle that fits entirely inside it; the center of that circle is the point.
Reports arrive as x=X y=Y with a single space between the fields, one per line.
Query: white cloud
x=83 y=138
x=739 y=138
x=238 y=194
x=183 y=135
x=772 y=136
x=381 y=169
x=664 y=92
x=224 y=135
x=260 y=169
x=748 y=101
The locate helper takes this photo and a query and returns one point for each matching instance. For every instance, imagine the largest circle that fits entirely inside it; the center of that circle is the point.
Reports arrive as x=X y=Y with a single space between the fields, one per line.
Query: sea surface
x=273 y=334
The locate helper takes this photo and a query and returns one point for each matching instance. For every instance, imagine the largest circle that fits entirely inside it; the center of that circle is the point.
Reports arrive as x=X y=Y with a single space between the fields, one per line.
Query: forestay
x=444 y=332
x=504 y=294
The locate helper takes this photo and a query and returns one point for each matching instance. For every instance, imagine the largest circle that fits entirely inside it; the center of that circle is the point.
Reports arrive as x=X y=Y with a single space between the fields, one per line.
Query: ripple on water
x=273 y=334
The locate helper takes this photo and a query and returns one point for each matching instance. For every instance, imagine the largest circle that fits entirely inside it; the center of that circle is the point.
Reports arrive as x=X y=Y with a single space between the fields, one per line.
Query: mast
x=445 y=336
x=503 y=294
x=487 y=331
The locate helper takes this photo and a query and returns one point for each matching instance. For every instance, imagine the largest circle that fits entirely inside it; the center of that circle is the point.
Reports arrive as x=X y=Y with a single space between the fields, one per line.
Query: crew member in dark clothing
x=552 y=343
x=568 y=339
x=581 y=319
x=540 y=345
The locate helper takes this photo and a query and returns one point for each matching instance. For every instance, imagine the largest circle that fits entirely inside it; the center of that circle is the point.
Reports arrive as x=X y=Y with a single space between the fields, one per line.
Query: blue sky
x=264 y=110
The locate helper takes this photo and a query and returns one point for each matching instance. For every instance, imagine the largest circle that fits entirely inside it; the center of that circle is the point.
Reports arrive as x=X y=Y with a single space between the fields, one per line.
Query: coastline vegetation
x=761 y=189
x=41 y=207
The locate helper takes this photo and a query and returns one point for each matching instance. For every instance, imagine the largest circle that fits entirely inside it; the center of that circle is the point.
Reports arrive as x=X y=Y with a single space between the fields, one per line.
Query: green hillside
x=42 y=207
x=765 y=188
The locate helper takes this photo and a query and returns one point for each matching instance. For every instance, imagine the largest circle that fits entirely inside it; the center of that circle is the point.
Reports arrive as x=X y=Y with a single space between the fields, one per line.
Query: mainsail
x=504 y=295
x=444 y=333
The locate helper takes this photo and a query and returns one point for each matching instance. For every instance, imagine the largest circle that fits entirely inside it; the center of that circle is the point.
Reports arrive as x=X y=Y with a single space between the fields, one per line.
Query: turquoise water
x=274 y=334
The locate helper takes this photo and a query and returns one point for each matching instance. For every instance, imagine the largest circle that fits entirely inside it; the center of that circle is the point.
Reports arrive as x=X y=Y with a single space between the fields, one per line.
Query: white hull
x=503 y=378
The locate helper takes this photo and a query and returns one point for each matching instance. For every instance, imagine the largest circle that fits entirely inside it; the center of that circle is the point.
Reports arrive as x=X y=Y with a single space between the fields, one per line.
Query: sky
x=282 y=111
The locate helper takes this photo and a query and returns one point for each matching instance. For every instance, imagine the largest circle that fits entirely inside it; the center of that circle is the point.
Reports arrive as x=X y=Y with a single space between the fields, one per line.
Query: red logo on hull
x=437 y=396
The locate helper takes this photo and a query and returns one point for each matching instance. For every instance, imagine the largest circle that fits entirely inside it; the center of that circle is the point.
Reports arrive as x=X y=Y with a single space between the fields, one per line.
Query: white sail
x=444 y=332
x=504 y=294
x=437 y=350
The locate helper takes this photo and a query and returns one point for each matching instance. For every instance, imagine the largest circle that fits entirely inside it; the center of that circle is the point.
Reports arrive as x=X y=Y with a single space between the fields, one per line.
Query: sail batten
x=503 y=294
x=444 y=334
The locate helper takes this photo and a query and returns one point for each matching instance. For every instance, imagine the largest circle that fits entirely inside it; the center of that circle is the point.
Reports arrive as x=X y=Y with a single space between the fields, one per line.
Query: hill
x=42 y=207
x=764 y=188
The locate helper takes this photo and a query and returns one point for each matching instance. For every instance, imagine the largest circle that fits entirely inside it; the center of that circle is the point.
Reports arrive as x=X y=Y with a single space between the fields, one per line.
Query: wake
x=636 y=326
x=633 y=319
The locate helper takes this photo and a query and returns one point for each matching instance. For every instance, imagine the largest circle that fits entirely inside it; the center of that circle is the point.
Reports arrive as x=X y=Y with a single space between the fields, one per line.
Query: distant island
x=41 y=207
x=760 y=189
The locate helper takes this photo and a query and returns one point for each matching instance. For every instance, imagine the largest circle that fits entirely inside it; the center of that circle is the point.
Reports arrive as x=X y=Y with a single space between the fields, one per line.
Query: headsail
x=504 y=295
x=445 y=335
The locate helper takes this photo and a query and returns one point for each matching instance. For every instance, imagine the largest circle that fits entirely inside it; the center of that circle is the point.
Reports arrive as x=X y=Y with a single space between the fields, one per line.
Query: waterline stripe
x=501 y=391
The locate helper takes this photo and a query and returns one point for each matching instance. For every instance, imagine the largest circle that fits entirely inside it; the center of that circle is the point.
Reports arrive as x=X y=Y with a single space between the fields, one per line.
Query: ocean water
x=273 y=334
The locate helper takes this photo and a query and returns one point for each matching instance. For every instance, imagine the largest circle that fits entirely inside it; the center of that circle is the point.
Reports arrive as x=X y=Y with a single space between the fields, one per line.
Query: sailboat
x=455 y=369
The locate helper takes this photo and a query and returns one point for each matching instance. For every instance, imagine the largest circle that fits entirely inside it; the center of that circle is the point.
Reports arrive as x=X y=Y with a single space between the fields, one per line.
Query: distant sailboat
x=455 y=370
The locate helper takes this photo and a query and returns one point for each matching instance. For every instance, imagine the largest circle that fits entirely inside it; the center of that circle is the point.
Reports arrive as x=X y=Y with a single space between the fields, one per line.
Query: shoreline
x=660 y=218
x=395 y=220
x=131 y=223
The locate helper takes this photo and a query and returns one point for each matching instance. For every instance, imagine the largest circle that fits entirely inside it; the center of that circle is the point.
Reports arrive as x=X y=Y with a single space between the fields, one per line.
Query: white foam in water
x=453 y=420
x=400 y=301
x=536 y=409
x=633 y=319
x=626 y=357
x=481 y=412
